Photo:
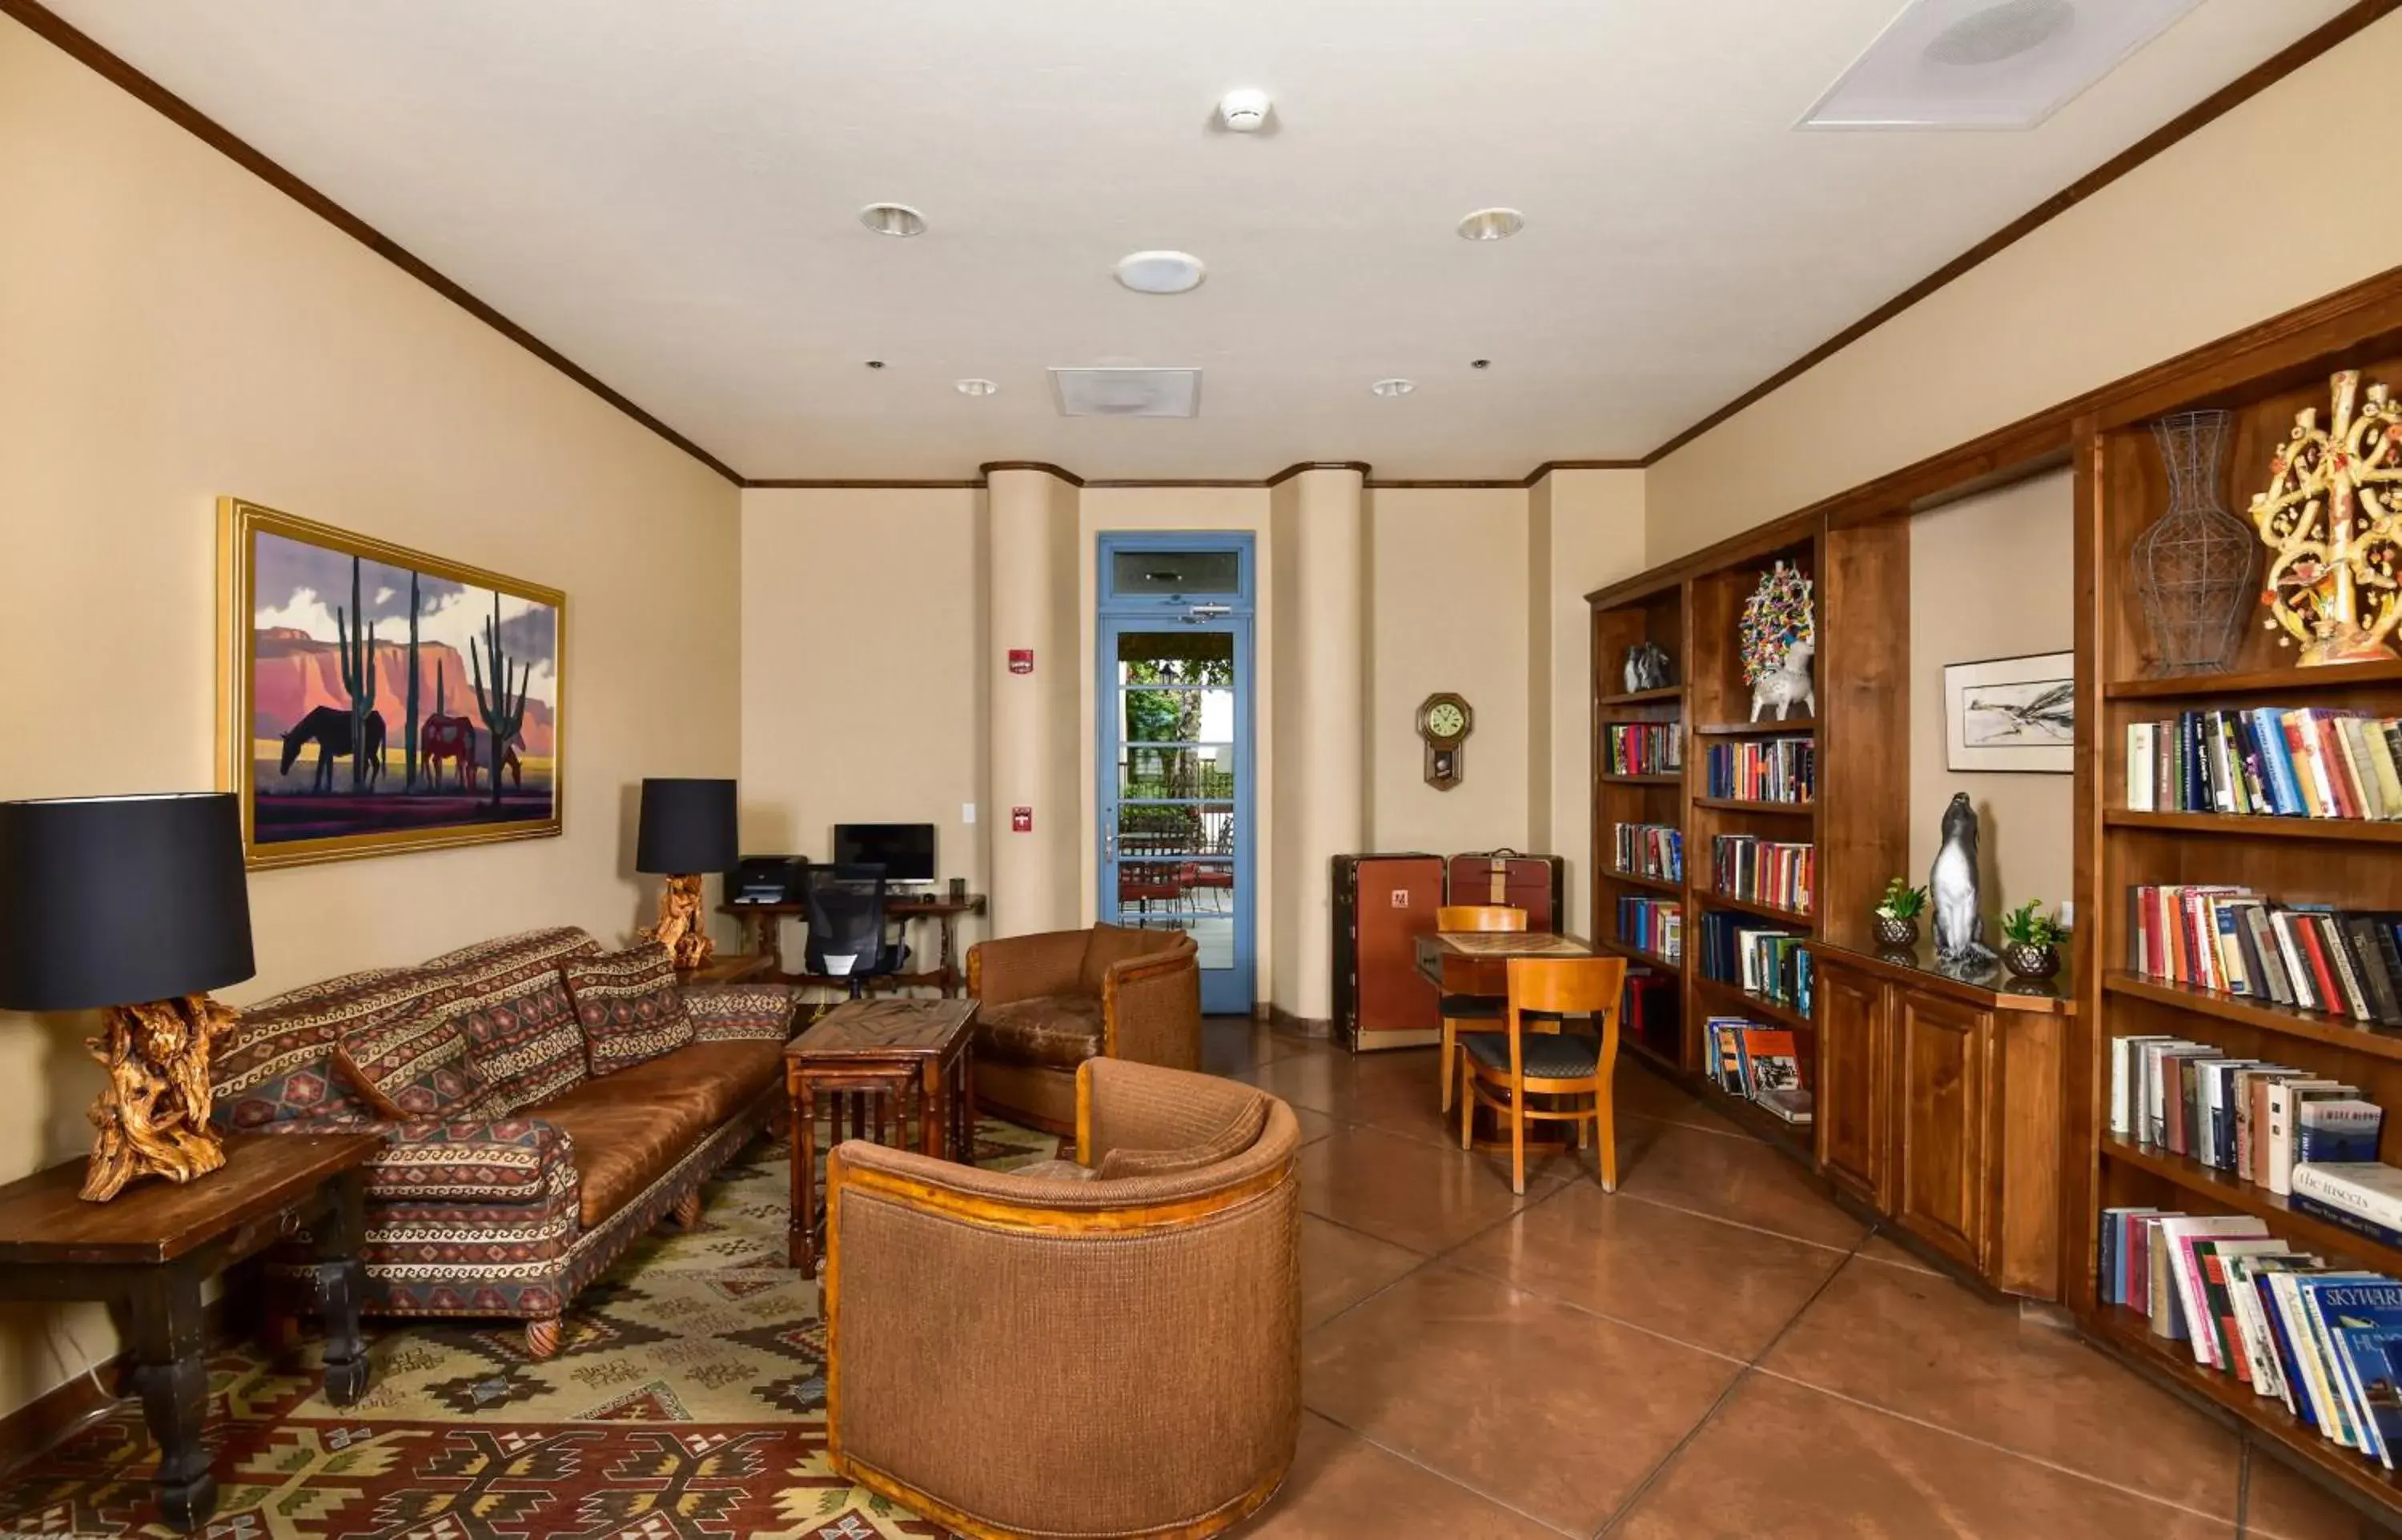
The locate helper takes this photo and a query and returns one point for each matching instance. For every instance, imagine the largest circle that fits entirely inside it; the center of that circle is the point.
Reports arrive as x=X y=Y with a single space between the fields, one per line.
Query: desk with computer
x=880 y=879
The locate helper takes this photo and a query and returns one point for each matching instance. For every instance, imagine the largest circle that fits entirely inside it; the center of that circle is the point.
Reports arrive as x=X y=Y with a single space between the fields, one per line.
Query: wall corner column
x=1033 y=737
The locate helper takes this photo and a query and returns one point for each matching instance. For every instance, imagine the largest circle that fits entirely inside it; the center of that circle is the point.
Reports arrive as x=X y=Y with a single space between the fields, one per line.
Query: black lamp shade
x=688 y=826
x=120 y=901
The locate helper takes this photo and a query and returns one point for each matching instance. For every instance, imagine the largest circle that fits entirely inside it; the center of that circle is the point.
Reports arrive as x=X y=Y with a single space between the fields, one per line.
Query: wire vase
x=2192 y=570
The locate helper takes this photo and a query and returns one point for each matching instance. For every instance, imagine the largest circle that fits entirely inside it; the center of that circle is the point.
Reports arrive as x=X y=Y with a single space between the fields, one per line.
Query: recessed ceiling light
x=1161 y=272
x=875 y=362
x=1492 y=225
x=1394 y=387
x=978 y=387
x=1480 y=364
x=892 y=219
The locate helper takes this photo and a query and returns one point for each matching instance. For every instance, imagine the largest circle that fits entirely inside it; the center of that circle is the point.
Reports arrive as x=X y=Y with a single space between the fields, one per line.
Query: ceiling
x=668 y=194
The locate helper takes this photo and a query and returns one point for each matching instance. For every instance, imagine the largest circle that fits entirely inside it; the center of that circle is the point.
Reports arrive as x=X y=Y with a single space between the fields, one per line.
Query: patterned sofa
x=556 y=1130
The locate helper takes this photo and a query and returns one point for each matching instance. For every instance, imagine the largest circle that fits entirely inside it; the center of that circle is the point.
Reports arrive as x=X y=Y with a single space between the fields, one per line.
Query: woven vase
x=2192 y=569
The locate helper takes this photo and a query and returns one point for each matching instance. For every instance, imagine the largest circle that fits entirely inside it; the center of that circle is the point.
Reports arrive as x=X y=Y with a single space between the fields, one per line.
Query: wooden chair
x=1502 y=1069
x=1473 y=1008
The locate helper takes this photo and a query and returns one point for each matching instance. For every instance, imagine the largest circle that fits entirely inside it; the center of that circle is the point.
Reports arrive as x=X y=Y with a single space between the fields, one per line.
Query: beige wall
x=175 y=329
x=1596 y=538
x=1448 y=602
x=865 y=688
x=1961 y=611
x=2201 y=240
x=1035 y=757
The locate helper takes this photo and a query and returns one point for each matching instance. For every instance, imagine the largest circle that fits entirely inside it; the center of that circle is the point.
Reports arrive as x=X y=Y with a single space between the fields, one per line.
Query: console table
x=152 y=1248
x=762 y=923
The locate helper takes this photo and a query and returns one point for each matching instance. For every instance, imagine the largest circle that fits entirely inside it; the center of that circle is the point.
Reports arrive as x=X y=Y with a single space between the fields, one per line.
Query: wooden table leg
x=950 y=957
x=963 y=1106
x=930 y=1097
x=172 y=1375
x=800 y=1244
x=341 y=1288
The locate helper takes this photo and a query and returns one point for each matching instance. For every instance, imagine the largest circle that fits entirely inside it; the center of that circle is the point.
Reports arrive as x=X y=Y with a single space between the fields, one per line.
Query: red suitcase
x=1531 y=883
x=1382 y=905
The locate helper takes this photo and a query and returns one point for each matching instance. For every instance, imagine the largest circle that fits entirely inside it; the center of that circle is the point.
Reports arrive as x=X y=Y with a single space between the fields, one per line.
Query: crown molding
x=2237 y=91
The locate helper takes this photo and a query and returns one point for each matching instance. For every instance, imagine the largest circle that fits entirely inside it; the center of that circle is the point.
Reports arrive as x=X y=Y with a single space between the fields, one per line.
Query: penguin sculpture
x=1952 y=884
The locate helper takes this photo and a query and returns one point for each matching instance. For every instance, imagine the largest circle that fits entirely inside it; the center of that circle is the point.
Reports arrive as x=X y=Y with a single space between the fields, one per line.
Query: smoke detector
x=1244 y=110
x=892 y=219
x=1127 y=393
x=1393 y=387
x=1161 y=272
x=1988 y=64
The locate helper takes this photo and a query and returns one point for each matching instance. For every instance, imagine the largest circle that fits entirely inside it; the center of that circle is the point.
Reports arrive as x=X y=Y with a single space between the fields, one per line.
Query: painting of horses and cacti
x=381 y=699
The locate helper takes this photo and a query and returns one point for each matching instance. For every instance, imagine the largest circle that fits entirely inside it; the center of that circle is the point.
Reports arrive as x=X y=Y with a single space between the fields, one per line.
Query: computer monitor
x=904 y=850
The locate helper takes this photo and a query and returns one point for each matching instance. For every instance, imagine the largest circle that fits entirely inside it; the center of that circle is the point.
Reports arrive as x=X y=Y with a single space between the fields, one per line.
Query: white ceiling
x=668 y=195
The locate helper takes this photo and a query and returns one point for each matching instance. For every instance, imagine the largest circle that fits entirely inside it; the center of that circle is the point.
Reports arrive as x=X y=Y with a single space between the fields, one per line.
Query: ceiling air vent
x=1127 y=393
x=1988 y=64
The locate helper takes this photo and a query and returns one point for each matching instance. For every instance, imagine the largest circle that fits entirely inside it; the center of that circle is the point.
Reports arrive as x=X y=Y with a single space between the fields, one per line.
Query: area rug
x=687 y=1400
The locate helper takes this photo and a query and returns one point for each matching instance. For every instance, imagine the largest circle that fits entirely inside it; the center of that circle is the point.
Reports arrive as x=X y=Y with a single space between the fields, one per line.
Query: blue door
x=1175 y=745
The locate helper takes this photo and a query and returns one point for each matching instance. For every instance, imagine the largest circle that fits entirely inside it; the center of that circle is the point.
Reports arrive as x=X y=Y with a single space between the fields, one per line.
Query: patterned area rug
x=687 y=1400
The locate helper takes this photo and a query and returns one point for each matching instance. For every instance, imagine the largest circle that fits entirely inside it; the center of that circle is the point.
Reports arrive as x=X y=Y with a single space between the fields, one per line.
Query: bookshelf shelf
x=2131 y=1334
x=1798 y=727
x=2232 y=1193
x=1640 y=780
x=1753 y=906
x=2359 y=831
x=1650 y=1055
x=1656 y=884
x=1737 y=805
x=1794 y=1139
x=1636 y=953
x=2336 y=1031
x=2255 y=681
x=1643 y=697
x=1738 y=999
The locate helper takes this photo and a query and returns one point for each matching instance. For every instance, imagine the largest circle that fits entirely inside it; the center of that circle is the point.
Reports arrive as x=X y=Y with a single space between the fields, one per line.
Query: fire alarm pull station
x=1021 y=660
x=1021 y=820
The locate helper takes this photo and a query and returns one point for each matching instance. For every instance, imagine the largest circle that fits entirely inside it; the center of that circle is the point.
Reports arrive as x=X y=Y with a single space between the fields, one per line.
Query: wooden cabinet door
x=1946 y=1069
x=1854 y=1091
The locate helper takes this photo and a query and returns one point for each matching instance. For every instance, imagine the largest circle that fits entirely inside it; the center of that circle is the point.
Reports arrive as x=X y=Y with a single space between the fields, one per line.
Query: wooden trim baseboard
x=61 y=1410
x=47 y=25
x=1300 y=1027
x=2219 y=103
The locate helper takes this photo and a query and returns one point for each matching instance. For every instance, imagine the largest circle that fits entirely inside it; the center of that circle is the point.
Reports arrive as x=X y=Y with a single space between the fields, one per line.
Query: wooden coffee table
x=154 y=1246
x=884 y=1054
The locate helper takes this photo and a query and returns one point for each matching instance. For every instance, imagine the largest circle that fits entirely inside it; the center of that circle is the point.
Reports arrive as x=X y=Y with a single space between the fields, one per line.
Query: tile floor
x=1716 y=1350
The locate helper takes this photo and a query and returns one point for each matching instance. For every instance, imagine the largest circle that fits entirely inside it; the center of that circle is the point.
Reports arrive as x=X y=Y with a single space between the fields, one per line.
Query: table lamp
x=687 y=829
x=135 y=905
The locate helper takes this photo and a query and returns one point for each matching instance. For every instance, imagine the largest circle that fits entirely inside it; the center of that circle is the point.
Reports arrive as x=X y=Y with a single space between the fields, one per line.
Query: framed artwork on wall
x=373 y=699
x=2011 y=714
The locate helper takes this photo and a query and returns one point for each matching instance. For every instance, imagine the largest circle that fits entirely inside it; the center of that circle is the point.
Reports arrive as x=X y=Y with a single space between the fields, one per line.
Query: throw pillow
x=1241 y=1132
x=508 y=997
x=414 y=1066
x=1110 y=945
x=278 y=1066
x=628 y=1005
x=733 y=1013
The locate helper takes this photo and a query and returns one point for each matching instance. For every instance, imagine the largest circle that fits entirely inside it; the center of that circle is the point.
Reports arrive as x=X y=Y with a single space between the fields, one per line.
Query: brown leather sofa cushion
x=1111 y=944
x=1056 y=1031
x=631 y=1126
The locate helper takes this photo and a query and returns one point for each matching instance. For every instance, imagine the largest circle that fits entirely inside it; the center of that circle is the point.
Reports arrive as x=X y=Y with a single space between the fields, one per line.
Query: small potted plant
x=2031 y=942
x=1897 y=913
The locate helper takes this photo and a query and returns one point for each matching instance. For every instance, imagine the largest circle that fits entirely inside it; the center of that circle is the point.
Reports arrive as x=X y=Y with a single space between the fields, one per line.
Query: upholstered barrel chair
x=1048 y=1003
x=1104 y=1347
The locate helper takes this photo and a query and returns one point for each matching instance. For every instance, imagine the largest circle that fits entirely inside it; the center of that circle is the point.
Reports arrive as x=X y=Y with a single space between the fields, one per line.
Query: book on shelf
x=2267 y=762
x=1654 y=850
x=1759 y=958
x=1781 y=872
x=1646 y=748
x=2308 y=956
x=1656 y=925
x=1760 y=1063
x=1767 y=770
x=2254 y=1120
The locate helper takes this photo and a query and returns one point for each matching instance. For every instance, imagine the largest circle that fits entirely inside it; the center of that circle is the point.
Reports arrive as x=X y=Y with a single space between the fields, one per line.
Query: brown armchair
x=1048 y=1003
x=1142 y=1330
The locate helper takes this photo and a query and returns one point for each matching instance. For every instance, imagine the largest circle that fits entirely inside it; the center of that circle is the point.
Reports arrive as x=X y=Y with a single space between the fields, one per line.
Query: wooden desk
x=155 y=1245
x=1477 y=962
x=730 y=968
x=920 y=1050
x=762 y=923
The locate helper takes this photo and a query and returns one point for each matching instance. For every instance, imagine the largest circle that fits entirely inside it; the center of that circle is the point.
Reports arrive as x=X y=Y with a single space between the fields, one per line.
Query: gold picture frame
x=455 y=669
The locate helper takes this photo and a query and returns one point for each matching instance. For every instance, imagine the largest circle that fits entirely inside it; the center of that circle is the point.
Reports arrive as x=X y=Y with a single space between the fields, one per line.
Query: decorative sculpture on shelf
x=152 y=1118
x=1959 y=922
x=1647 y=667
x=2331 y=520
x=1779 y=636
x=2192 y=569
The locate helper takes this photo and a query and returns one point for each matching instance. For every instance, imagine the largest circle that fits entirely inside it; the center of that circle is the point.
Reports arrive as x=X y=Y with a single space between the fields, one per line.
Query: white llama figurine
x=1786 y=684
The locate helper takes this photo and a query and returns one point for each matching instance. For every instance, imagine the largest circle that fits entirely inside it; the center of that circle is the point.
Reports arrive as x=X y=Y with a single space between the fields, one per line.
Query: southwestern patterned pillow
x=413 y=1066
x=278 y=1064
x=508 y=997
x=741 y=1012
x=628 y=1005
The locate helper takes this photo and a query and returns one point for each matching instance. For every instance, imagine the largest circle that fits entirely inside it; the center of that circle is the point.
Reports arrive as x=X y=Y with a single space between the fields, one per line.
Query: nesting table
x=883 y=1056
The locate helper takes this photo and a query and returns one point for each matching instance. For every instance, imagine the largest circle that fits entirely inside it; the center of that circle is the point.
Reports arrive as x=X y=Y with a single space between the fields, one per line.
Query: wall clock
x=1445 y=721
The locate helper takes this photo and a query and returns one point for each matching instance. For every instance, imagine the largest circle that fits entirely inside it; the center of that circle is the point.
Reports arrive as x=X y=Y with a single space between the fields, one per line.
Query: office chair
x=847 y=919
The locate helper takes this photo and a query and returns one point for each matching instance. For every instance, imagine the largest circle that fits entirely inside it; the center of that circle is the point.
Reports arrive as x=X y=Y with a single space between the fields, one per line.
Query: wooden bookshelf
x=2351 y=864
x=1739 y=804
